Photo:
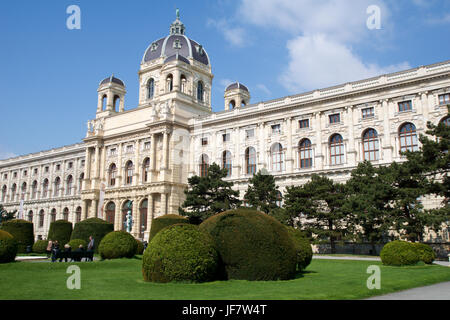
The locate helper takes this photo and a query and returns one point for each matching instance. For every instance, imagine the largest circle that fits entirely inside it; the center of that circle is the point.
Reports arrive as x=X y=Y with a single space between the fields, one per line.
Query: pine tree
x=262 y=192
x=320 y=202
x=5 y=215
x=208 y=195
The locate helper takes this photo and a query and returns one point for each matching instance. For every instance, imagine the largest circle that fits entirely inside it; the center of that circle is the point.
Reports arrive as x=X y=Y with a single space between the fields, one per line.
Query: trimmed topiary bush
x=180 y=252
x=8 y=247
x=40 y=246
x=399 y=253
x=164 y=221
x=117 y=244
x=425 y=252
x=303 y=247
x=60 y=230
x=22 y=231
x=95 y=227
x=75 y=243
x=140 y=247
x=252 y=245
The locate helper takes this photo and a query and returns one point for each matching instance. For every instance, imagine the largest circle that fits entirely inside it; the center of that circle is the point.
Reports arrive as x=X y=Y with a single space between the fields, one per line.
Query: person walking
x=55 y=250
x=91 y=247
x=49 y=248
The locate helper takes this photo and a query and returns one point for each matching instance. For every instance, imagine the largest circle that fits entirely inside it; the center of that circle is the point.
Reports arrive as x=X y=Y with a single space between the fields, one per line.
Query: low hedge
x=8 y=247
x=303 y=247
x=117 y=244
x=399 y=253
x=60 y=230
x=22 y=231
x=40 y=246
x=180 y=252
x=252 y=245
x=164 y=221
x=75 y=243
x=140 y=247
x=425 y=252
x=94 y=227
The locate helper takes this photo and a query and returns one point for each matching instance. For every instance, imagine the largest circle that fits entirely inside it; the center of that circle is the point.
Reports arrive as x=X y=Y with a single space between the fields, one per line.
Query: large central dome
x=176 y=43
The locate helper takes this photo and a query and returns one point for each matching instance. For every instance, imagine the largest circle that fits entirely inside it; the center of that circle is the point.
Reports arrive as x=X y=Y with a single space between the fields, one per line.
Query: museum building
x=146 y=154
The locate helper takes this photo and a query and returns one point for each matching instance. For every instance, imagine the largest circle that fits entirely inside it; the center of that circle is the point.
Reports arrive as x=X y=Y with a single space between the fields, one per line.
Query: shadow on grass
x=301 y=274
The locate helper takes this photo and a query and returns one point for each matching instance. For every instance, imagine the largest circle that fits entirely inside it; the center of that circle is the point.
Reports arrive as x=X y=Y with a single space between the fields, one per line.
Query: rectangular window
x=5 y=176
x=250 y=133
x=112 y=151
x=276 y=128
x=70 y=165
x=36 y=171
x=226 y=137
x=303 y=123
x=46 y=169
x=404 y=106
x=368 y=113
x=204 y=141
x=82 y=163
x=335 y=118
x=58 y=166
x=25 y=172
x=129 y=149
x=444 y=99
x=15 y=175
x=147 y=145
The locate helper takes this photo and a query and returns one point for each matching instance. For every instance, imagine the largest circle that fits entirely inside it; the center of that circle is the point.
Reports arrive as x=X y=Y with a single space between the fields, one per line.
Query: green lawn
x=122 y=279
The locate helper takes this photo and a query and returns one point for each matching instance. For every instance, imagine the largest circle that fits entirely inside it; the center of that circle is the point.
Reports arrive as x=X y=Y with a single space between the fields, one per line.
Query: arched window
x=371 y=148
x=200 y=91
x=336 y=150
x=30 y=216
x=129 y=172
x=66 y=214
x=408 y=138
x=243 y=104
x=277 y=155
x=13 y=192
x=204 y=164
x=104 y=99
x=116 y=103
x=112 y=175
x=23 y=191
x=78 y=215
x=183 y=82
x=124 y=214
x=53 y=215
x=146 y=170
x=110 y=212
x=34 y=187
x=41 y=218
x=80 y=182
x=169 y=81
x=4 y=190
x=143 y=212
x=250 y=160
x=226 y=162
x=151 y=88
x=57 y=186
x=232 y=104
x=279 y=201
x=305 y=155
x=45 y=189
x=69 y=185
x=446 y=121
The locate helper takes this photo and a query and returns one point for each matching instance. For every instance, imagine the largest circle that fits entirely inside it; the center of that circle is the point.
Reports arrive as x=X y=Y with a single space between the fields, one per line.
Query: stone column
x=84 y=210
x=176 y=80
x=119 y=181
x=425 y=106
x=289 y=156
x=137 y=165
x=318 y=152
x=351 y=160
x=262 y=146
x=94 y=208
x=135 y=212
x=102 y=163
x=235 y=164
x=387 y=146
x=164 y=203
x=87 y=168
x=149 y=217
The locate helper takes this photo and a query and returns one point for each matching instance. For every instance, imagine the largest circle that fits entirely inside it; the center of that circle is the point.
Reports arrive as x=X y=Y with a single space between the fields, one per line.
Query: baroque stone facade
x=146 y=154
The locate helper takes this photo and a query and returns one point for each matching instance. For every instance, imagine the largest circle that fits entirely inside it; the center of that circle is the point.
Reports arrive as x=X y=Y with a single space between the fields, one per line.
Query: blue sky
x=49 y=74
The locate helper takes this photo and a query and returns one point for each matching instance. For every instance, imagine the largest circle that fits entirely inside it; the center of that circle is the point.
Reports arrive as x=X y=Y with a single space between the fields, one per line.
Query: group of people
x=53 y=249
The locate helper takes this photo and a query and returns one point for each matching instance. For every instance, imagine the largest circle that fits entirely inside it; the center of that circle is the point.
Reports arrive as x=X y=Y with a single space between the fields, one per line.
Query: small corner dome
x=236 y=85
x=112 y=79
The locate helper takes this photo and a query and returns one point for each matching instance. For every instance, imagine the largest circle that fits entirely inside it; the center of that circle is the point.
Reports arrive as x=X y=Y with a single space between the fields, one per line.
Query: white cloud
x=317 y=62
x=263 y=88
x=225 y=83
x=6 y=155
x=234 y=35
x=439 y=20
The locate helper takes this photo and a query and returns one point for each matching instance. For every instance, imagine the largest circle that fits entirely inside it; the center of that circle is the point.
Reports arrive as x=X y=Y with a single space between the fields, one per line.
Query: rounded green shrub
x=95 y=227
x=40 y=246
x=8 y=247
x=399 y=253
x=117 y=244
x=252 y=245
x=180 y=252
x=75 y=243
x=60 y=230
x=425 y=252
x=302 y=246
x=164 y=221
x=140 y=247
x=22 y=231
